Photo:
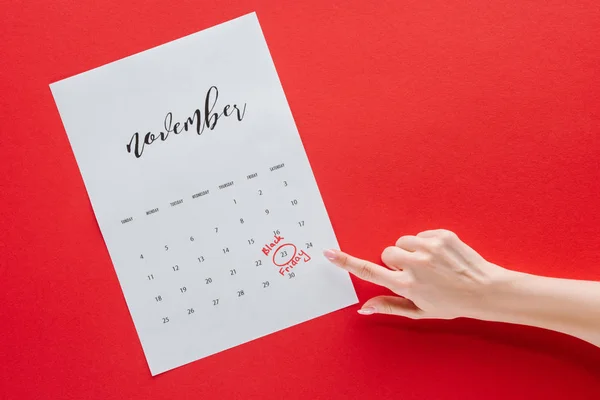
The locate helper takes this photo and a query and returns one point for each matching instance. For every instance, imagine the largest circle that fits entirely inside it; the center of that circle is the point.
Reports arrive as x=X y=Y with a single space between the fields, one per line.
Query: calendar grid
x=195 y=277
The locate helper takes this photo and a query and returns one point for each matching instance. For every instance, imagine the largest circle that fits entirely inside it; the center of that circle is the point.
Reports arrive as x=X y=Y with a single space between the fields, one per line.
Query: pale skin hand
x=439 y=276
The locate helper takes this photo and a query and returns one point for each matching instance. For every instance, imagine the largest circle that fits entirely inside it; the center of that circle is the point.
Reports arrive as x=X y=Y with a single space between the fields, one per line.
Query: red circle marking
x=279 y=248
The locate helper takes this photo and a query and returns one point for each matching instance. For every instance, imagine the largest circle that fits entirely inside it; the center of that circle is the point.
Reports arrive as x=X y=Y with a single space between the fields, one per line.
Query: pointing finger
x=363 y=269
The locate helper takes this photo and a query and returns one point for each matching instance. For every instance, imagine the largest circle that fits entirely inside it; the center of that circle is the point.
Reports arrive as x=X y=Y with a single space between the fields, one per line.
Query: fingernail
x=330 y=254
x=367 y=311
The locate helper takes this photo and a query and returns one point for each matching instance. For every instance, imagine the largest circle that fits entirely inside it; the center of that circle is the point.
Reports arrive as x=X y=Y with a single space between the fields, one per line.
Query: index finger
x=363 y=269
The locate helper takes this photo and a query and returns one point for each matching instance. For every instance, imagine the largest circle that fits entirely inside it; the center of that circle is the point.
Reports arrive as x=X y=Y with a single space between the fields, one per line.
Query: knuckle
x=344 y=260
x=436 y=244
x=404 y=280
x=400 y=240
x=388 y=254
x=386 y=308
x=403 y=288
x=364 y=271
x=408 y=284
x=426 y=258
x=446 y=235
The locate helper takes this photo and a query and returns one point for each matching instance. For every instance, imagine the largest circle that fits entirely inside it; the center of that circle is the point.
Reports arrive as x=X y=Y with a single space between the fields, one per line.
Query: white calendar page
x=203 y=193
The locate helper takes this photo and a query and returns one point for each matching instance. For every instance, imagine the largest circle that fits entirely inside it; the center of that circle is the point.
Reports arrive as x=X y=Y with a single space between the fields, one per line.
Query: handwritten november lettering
x=197 y=121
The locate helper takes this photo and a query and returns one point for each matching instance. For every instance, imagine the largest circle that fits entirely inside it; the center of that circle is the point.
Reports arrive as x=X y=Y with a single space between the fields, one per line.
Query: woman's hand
x=437 y=275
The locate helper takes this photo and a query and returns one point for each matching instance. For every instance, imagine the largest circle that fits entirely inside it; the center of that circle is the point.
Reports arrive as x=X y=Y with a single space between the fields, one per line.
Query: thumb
x=391 y=305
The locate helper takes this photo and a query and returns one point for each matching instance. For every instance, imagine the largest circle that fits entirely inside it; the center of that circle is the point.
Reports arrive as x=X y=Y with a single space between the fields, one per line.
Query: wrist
x=500 y=295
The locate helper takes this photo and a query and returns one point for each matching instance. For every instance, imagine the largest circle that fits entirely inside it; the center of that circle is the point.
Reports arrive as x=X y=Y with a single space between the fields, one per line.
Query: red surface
x=478 y=116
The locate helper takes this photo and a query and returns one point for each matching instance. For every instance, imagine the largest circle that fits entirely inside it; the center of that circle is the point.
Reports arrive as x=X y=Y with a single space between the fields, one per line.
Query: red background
x=478 y=116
